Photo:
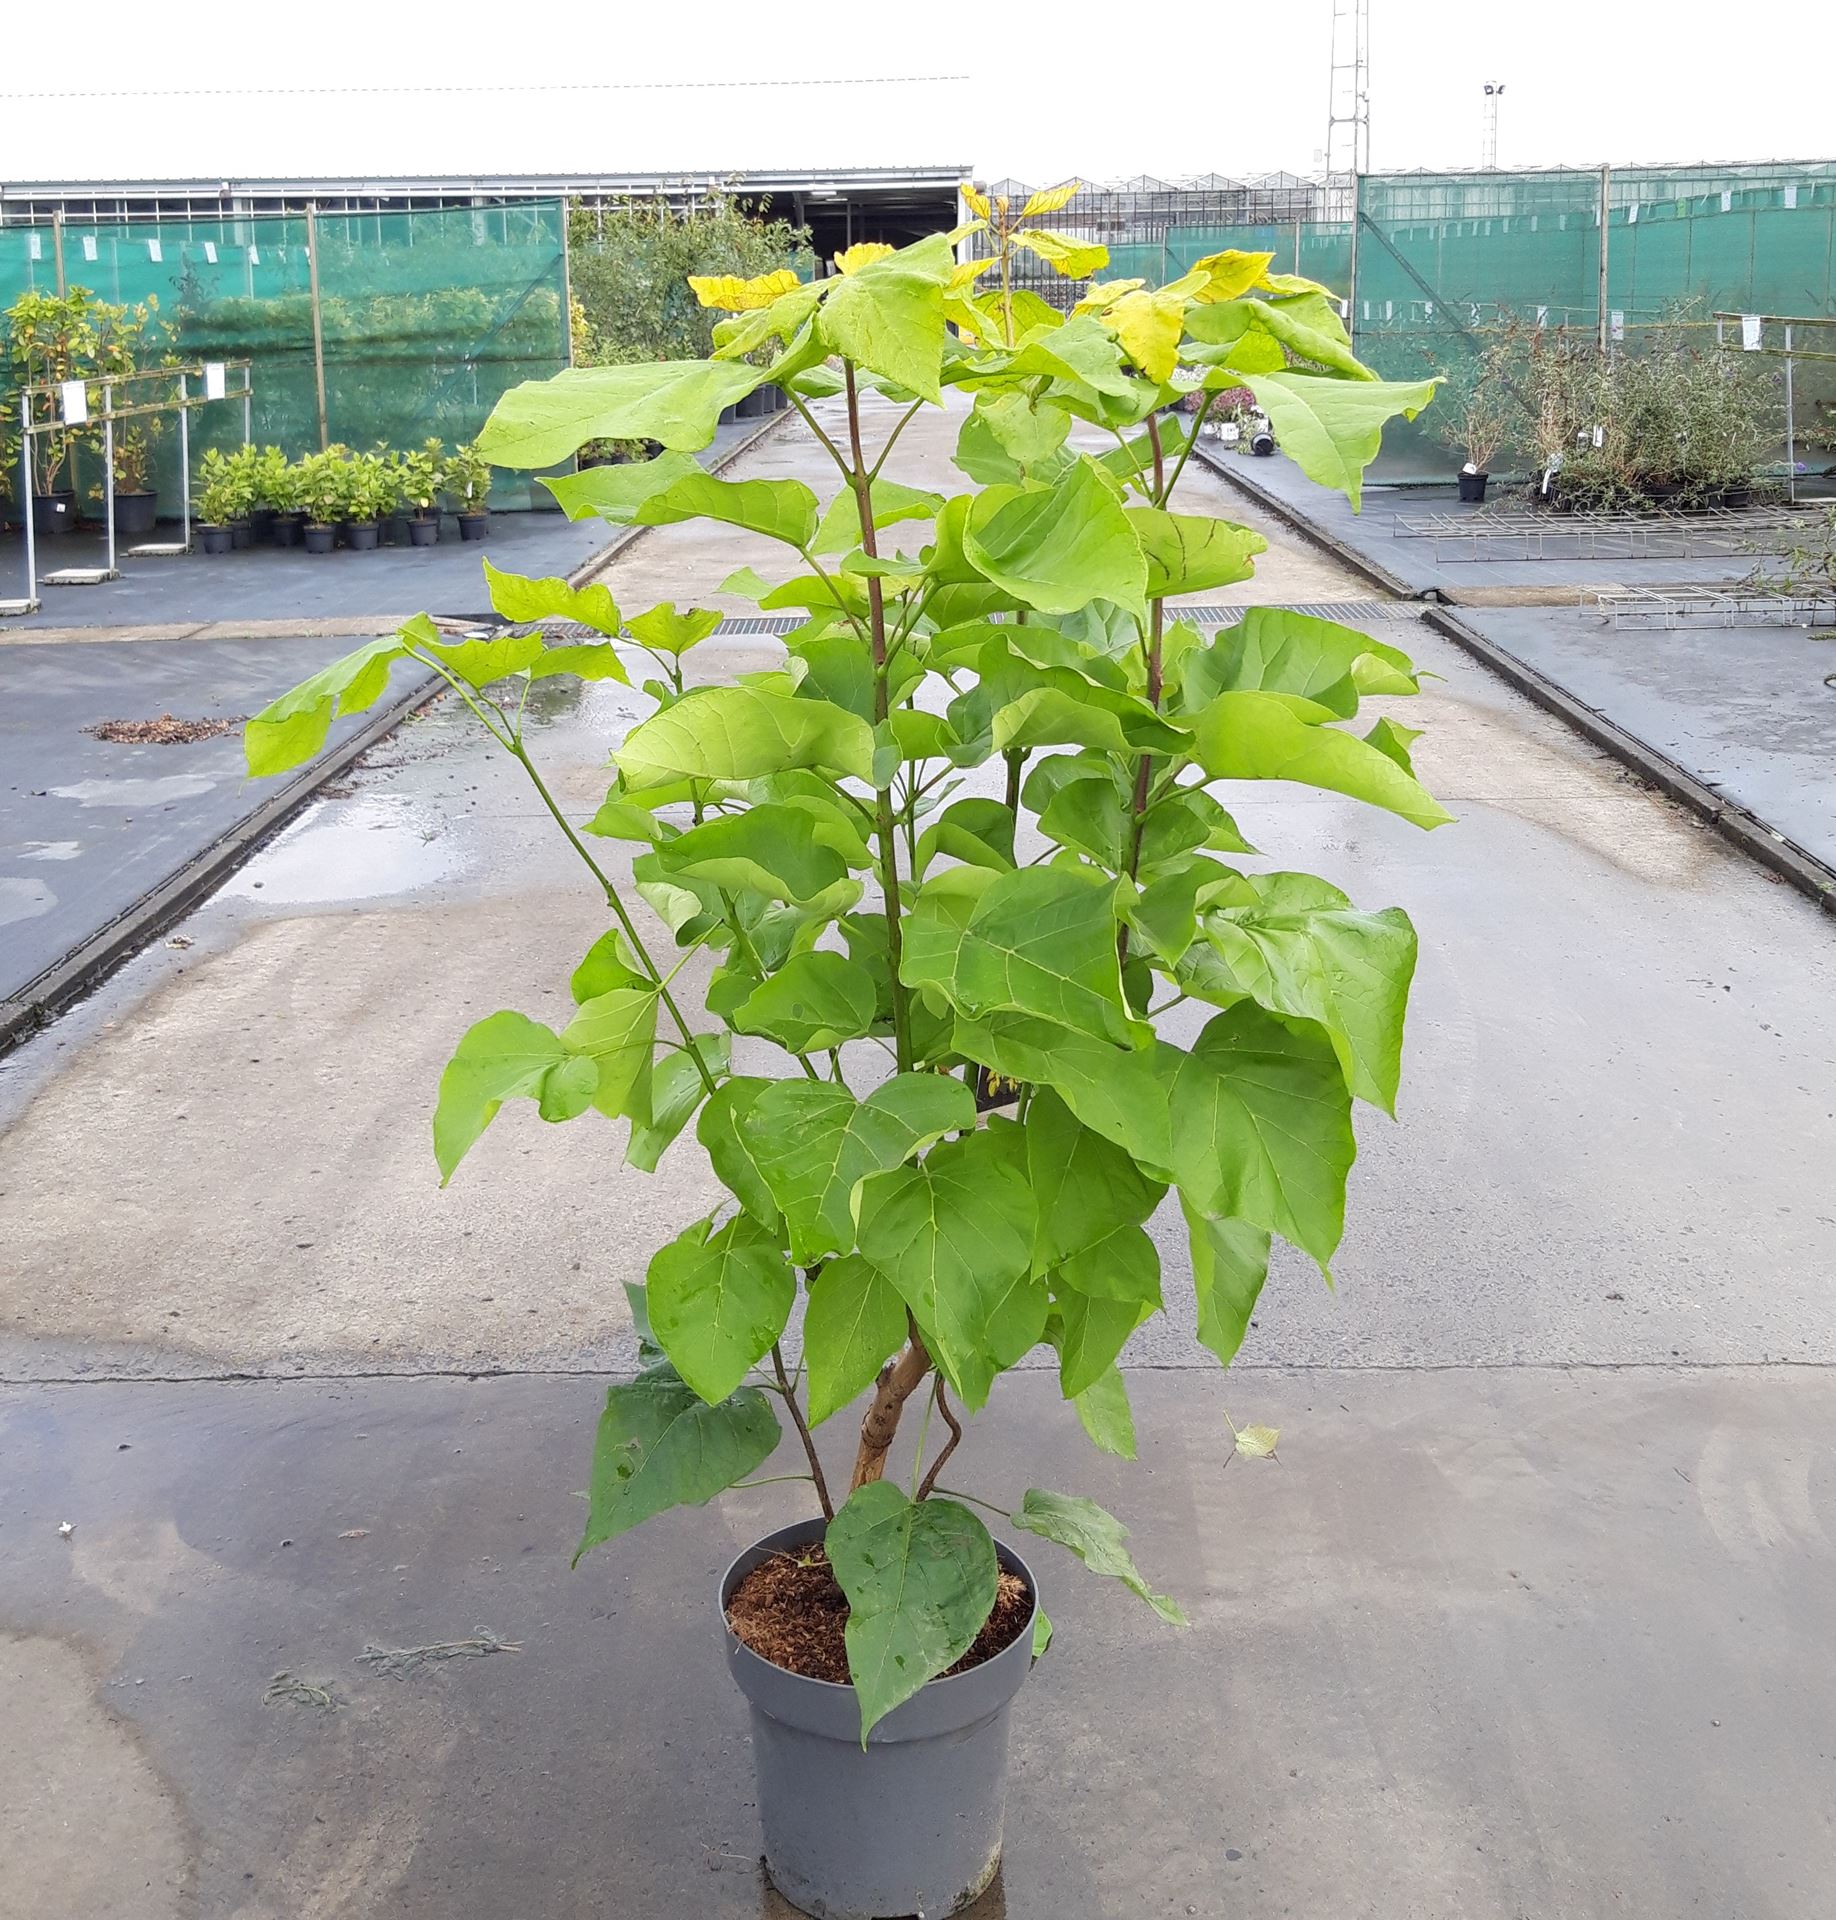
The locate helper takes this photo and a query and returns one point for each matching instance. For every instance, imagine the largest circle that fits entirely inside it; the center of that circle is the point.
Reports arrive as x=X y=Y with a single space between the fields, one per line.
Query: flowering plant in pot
x=277 y=514
x=421 y=478
x=962 y=840
x=466 y=476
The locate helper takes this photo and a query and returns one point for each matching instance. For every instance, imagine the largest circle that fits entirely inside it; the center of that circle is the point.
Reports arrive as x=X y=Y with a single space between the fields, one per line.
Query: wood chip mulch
x=167 y=731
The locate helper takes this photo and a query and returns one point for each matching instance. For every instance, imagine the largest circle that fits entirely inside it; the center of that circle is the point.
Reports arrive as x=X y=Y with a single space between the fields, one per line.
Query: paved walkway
x=1527 y=1621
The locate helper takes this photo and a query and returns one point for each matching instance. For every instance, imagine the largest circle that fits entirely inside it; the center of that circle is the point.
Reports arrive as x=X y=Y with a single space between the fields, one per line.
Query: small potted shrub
x=50 y=339
x=468 y=482
x=276 y=514
x=1474 y=412
x=222 y=500
x=421 y=477
x=324 y=496
x=885 y=959
x=370 y=495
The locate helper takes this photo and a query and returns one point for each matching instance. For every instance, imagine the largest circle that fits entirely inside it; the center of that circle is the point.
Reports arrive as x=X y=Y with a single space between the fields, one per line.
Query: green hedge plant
x=965 y=836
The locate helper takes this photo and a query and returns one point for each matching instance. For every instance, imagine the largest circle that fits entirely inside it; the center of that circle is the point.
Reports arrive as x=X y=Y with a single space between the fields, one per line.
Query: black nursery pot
x=474 y=526
x=242 y=536
x=361 y=536
x=261 y=523
x=54 y=514
x=1472 y=487
x=424 y=530
x=395 y=529
x=319 y=539
x=287 y=529
x=214 y=539
x=135 y=514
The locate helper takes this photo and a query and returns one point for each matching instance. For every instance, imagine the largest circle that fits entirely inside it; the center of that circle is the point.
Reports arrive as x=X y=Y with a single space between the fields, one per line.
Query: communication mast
x=1348 y=117
x=1488 y=155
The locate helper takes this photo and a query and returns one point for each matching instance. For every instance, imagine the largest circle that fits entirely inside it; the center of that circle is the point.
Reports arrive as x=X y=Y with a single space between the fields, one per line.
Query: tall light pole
x=1489 y=152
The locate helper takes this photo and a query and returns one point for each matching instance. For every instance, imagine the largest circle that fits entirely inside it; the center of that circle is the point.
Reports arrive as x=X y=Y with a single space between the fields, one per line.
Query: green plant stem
x=942 y=1399
x=803 y=1431
x=988 y=1506
x=617 y=905
x=892 y=439
x=924 y=1429
x=809 y=420
x=1198 y=420
x=888 y=836
x=770 y=1480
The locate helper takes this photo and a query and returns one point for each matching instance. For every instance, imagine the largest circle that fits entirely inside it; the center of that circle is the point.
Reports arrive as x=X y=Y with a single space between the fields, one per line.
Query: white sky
x=1045 y=90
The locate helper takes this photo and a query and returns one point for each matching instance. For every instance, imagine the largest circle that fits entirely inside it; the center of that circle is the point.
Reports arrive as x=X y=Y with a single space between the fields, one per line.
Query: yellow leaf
x=1258 y=1443
x=1075 y=259
x=1052 y=200
x=733 y=295
x=1105 y=294
x=1149 y=326
x=977 y=201
x=1287 y=283
x=1230 y=274
x=964 y=273
x=862 y=253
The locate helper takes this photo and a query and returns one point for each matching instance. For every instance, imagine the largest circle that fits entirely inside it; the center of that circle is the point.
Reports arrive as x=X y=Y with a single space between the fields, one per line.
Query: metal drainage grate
x=755 y=626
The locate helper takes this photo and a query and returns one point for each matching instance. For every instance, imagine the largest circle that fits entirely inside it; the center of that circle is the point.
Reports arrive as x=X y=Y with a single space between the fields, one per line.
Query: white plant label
x=1750 y=324
x=76 y=402
x=155 y=252
x=210 y=251
x=89 y=246
x=213 y=379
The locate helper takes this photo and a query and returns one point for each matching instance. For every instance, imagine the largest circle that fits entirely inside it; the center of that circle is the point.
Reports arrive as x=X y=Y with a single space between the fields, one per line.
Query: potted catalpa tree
x=964 y=840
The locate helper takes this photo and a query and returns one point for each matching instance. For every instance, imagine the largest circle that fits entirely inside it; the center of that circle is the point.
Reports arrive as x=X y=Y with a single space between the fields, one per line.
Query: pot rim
x=728 y=1581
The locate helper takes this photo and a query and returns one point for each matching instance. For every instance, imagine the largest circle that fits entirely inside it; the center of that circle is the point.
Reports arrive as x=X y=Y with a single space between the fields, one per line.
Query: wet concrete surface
x=1483 y=1645
x=1748 y=710
x=88 y=826
x=1528 y=1619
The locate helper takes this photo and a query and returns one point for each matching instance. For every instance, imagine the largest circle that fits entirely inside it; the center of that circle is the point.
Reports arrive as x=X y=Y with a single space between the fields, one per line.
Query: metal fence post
x=1791 y=427
x=184 y=447
x=29 y=500
x=57 y=247
x=567 y=282
x=318 y=321
x=1351 y=300
x=1606 y=209
x=108 y=469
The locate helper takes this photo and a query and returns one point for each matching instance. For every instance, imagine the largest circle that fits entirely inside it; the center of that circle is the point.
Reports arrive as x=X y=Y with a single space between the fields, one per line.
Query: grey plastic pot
x=912 y=1825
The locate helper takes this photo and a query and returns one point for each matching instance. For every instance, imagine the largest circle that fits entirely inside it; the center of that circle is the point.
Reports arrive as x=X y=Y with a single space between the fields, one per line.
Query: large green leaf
x=723 y=1131
x=1090 y=717
x=615 y=492
x=677 y=1088
x=841 y=524
x=287 y=732
x=618 y=1031
x=855 y=1323
x=1105 y=1415
x=664 y=630
x=1010 y=438
x=952 y=1234
x=779 y=509
x=815 y=1001
x=921 y=1578
x=677 y=402
x=1098 y=1539
x=1275 y=650
x=1112 y=1089
x=718 y=1301
x=738 y=733
x=888 y=316
x=660 y=1445
x=814 y=1143
x=768 y=849
x=1057 y=548
x=1303 y=949
x=1331 y=428
x=1259 y=736
x=1262 y=1125
x=1085 y=1186
x=1041 y=940
x=482 y=661
x=1081 y=354
x=502 y=1057
x=516 y=597
x=1089 y=1332
x=1123 y=1266
x=1230 y=1261
x=1188 y=552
